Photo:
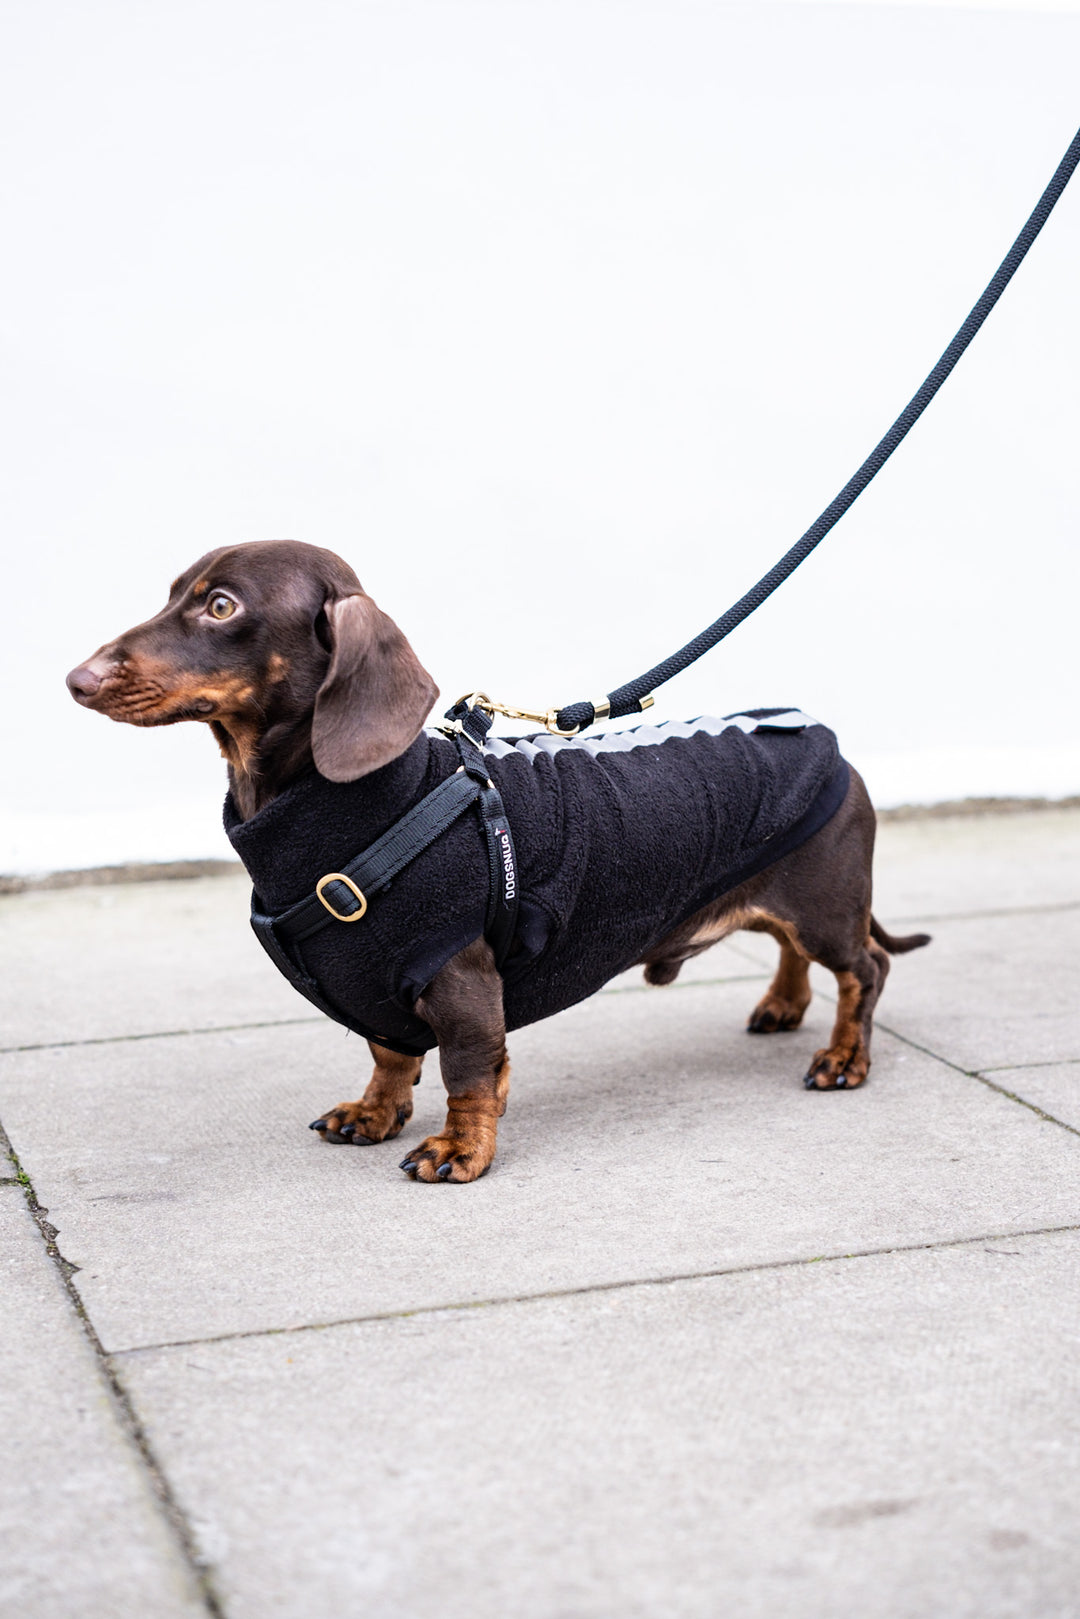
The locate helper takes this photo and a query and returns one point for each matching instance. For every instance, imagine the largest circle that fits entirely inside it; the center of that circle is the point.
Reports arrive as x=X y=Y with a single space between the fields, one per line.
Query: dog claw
x=346 y=1130
x=808 y=1081
x=841 y=1081
x=407 y=1165
x=443 y=1171
x=318 y=1124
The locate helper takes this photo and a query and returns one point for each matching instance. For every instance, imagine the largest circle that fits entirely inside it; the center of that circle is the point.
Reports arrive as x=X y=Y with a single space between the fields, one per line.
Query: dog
x=316 y=699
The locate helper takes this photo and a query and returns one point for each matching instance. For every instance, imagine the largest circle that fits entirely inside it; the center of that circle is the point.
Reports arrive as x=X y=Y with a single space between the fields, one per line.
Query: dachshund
x=277 y=648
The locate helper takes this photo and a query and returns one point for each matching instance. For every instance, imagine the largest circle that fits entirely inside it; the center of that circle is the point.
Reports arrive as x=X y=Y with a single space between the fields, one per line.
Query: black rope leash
x=630 y=699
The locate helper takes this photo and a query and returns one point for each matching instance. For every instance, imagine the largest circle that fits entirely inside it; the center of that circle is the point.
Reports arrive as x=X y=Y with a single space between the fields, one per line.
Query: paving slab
x=992 y=992
x=81 y=1534
x=137 y=958
x=647 y=1135
x=1055 y=1087
x=940 y=865
x=896 y=1436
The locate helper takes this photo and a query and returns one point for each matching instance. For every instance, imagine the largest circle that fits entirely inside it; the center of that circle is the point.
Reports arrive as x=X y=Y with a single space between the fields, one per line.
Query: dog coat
x=619 y=839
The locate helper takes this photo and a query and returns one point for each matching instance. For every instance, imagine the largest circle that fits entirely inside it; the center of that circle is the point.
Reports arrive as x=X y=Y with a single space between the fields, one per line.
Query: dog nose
x=83 y=682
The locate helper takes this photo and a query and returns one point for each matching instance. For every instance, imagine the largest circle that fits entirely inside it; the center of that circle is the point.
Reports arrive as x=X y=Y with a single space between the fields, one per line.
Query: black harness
x=344 y=896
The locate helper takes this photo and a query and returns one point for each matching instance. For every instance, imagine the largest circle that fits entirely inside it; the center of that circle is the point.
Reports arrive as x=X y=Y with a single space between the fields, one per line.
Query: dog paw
x=448 y=1158
x=362 y=1125
x=836 y=1070
x=772 y=1014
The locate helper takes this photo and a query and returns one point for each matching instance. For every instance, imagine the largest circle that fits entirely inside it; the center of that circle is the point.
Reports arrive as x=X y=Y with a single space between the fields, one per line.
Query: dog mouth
x=122 y=694
x=160 y=713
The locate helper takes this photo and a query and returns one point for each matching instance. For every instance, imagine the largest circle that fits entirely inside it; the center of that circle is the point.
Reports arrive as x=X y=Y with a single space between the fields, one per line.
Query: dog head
x=277 y=647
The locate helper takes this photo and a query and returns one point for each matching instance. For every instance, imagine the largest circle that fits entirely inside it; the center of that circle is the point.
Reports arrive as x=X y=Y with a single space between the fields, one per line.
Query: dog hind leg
x=845 y=1062
x=787 y=997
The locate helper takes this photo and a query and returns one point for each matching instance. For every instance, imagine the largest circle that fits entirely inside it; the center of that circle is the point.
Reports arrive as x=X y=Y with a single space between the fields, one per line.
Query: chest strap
x=343 y=896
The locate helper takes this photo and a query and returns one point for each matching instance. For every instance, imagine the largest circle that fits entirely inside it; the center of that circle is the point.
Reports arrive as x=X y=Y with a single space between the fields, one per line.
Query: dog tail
x=896 y=947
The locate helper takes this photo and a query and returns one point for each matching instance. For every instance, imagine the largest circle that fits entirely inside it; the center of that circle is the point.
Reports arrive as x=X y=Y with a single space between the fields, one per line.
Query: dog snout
x=86 y=681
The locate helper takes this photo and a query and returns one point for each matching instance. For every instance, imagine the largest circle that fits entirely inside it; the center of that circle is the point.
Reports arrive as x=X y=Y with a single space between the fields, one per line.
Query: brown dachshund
x=278 y=649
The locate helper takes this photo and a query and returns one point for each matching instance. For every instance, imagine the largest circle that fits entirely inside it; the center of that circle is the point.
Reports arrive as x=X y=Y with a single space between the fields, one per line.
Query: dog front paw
x=361 y=1124
x=837 y=1068
x=450 y=1158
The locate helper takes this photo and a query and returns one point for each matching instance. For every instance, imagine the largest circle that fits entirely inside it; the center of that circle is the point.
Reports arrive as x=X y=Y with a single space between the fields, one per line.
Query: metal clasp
x=547 y=717
x=340 y=877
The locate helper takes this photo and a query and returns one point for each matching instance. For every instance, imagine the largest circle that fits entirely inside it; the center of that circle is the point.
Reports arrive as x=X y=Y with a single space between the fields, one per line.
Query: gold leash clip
x=547 y=717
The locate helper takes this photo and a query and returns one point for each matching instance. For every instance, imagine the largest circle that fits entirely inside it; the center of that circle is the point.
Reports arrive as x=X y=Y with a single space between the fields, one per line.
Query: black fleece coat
x=618 y=839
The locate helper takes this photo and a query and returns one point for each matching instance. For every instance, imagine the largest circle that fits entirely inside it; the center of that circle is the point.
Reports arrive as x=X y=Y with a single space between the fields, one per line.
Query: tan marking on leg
x=466 y=1146
x=847 y=1058
x=386 y=1105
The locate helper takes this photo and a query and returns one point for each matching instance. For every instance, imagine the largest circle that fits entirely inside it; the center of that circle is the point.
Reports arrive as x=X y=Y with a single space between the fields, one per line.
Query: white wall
x=560 y=321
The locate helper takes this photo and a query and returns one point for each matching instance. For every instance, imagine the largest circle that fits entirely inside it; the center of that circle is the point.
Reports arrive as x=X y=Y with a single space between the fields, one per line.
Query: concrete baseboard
x=133 y=872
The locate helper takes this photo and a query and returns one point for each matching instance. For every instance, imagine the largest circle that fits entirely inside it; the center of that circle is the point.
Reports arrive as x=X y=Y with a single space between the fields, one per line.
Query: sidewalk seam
x=291 y=1022
x=1010 y=1067
x=981 y=1074
x=157 y=1034
x=625 y=1285
x=123 y=1406
x=1054 y=908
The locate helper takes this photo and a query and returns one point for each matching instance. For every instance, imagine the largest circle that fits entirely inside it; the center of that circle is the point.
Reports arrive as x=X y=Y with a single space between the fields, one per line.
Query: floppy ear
x=376 y=694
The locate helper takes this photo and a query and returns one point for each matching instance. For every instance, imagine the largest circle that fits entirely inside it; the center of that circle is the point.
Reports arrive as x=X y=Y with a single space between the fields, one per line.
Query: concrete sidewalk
x=701 y=1343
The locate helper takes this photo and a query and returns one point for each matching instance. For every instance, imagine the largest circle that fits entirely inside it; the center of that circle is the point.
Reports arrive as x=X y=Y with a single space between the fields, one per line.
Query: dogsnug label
x=509 y=876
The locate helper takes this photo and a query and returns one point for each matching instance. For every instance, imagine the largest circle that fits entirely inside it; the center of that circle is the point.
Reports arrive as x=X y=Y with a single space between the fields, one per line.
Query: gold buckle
x=340 y=877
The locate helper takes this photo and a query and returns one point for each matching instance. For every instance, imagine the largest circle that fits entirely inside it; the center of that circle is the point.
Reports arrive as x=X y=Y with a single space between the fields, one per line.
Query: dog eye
x=221 y=607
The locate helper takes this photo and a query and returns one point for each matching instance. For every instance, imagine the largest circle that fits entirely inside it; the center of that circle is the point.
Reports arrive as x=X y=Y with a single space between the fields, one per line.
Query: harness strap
x=343 y=896
x=471 y=726
x=374 y=869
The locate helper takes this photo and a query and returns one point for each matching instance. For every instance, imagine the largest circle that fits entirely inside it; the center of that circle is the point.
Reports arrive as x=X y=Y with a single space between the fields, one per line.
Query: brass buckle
x=340 y=877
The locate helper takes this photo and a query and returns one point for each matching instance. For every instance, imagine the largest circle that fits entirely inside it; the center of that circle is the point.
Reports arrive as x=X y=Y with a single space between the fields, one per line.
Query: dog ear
x=376 y=694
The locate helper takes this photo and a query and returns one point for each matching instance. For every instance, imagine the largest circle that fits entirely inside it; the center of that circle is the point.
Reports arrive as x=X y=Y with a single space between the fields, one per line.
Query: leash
x=636 y=695
x=343 y=896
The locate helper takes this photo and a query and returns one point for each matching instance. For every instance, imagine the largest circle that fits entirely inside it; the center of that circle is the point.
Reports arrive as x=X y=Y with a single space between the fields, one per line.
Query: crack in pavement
x=624 y=1284
x=122 y=1404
